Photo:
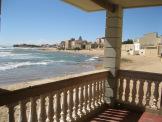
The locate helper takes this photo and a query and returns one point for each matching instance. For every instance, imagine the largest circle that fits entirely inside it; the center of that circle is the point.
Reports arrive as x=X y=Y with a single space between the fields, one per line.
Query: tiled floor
x=148 y=117
x=116 y=115
x=120 y=115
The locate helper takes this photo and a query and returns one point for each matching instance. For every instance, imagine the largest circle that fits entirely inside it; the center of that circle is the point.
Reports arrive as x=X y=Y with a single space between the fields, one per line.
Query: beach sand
x=92 y=52
x=141 y=63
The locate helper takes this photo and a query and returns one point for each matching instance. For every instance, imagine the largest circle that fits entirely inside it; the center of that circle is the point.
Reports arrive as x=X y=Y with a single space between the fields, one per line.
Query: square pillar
x=112 y=49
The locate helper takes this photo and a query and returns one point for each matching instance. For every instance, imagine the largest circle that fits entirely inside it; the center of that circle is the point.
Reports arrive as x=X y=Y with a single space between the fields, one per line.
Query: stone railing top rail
x=149 y=76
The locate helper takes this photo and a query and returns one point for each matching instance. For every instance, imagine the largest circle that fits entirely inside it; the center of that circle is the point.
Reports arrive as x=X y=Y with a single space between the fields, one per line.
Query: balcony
x=83 y=98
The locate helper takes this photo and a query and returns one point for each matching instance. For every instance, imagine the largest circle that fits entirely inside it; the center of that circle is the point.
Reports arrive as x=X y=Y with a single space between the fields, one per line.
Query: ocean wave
x=13 y=55
x=5 y=54
x=14 y=65
x=92 y=59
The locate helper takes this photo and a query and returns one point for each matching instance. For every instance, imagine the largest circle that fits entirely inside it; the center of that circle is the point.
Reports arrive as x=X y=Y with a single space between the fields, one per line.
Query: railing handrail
x=140 y=75
x=33 y=91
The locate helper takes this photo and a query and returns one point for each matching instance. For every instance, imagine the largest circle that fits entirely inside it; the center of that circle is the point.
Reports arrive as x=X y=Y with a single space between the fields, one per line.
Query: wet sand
x=92 y=52
x=142 y=63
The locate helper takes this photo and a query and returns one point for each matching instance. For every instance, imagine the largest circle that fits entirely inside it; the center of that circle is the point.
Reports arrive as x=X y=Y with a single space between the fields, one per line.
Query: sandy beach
x=142 y=63
x=92 y=52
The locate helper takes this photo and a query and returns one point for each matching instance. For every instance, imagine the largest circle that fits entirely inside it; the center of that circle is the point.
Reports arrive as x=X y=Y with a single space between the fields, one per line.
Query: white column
x=112 y=48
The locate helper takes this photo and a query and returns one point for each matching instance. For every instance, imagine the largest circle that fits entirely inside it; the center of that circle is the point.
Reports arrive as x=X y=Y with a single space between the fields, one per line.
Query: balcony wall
x=62 y=101
x=139 y=90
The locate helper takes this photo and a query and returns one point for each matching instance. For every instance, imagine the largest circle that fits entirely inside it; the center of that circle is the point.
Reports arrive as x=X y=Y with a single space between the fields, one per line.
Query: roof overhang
x=96 y=5
x=86 y=5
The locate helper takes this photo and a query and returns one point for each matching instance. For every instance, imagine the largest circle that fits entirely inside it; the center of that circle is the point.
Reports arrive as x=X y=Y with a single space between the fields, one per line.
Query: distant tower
x=80 y=38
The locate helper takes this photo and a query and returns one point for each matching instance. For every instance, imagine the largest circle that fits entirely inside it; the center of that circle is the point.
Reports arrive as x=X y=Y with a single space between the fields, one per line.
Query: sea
x=27 y=64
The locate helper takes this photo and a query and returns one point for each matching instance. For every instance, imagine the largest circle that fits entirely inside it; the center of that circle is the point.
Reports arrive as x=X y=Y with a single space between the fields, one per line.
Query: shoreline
x=92 y=52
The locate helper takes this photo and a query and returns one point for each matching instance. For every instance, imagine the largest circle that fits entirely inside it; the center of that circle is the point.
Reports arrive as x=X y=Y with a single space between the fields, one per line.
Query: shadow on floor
x=116 y=115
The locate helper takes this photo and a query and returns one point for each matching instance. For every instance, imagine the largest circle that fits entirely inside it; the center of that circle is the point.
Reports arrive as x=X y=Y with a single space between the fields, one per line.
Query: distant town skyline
x=53 y=21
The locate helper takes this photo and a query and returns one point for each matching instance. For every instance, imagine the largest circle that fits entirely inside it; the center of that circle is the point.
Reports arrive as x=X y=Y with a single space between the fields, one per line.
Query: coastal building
x=161 y=40
x=160 y=50
x=45 y=45
x=76 y=44
x=127 y=49
x=84 y=43
x=88 y=46
x=100 y=42
x=62 y=45
x=149 y=44
x=149 y=40
x=131 y=49
x=67 y=44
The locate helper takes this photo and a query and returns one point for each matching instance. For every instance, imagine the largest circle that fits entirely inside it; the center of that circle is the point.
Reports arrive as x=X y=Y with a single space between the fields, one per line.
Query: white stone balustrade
x=139 y=89
x=70 y=100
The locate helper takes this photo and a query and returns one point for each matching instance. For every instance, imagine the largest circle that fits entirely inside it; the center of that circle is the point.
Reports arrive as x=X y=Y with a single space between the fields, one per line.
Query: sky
x=52 y=21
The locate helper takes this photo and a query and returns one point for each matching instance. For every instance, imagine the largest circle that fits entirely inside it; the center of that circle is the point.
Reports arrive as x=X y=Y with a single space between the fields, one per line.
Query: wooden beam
x=105 y=4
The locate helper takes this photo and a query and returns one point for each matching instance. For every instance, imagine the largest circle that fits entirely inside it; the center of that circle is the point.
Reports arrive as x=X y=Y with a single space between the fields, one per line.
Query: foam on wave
x=14 y=65
x=92 y=58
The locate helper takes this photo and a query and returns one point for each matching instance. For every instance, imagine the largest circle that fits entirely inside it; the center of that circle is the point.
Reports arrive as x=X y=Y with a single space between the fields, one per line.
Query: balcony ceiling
x=90 y=5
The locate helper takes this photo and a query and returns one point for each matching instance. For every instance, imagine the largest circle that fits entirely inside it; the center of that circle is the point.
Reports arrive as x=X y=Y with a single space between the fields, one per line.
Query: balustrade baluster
x=134 y=91
x=99 y=93
x=22 y=115
x=63 y=105
x=96 y=95
x=89 y=97
x=42 y=110
x=156 y=94
x=85 y=103
x=70 y=105
x=137 y=92
x=33 y=111
x=152 y=98
x=50 y=111
x=124 y=89
x=127 y=89
x=141 y=92
x=148 y=93
x=80 y=107
x=130 y=91
x=159 y=95
x=11 y=113
x=103 y=91
x=121 y=88
x=57 y=107
x=75 y=108
x=93 y=96
x=118 y=89
x=144 y=93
